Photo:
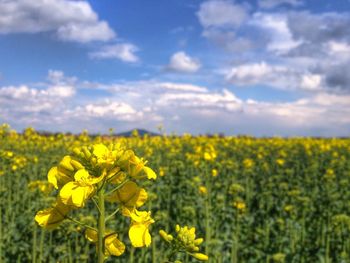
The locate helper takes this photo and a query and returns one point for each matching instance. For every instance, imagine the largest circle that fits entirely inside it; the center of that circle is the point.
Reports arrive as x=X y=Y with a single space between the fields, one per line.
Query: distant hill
x=141 y=132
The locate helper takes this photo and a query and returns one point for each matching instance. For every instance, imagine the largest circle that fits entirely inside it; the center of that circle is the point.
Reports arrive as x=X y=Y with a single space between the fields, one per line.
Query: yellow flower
x=214 y=173
x=58 y=177
x=161 y=171
x=187 y=238
x=52 y=217
x=330 y=174
x=209 y=156
x=138 y=233
x=209 y=152
x=135 y=166
x=185 y=241
x=113 y=246
x=129 y=195
x=240 y=205
x=280 y=162
x=203 y=190
x=75 y=193
x=64 y=172
x=104 y=155
x=248 y=163
x=288 y=208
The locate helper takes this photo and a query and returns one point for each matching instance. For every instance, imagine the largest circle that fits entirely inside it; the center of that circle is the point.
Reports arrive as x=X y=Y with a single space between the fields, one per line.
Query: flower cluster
x=101 y=173
x=185 y=242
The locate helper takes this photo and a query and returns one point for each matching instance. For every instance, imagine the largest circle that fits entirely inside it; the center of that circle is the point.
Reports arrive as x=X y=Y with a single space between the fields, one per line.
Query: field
x=251 y=199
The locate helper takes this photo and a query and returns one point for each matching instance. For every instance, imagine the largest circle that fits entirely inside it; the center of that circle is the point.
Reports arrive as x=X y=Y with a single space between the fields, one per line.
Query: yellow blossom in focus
x=76 y=192
x=129 y=195
x=113 y=246
x=138 y=233
x=50 y=218
x=104 y=155
x=136 y=166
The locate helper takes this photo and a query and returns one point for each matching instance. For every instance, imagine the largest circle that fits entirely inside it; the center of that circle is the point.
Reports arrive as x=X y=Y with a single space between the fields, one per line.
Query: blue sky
x=263 y=67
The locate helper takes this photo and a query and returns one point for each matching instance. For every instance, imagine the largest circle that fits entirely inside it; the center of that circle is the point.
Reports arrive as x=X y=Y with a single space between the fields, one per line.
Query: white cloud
x=181 y=62
x=149 y=86
x=182 y=87
x=86 y=33
x=276 y=26
x=316 y=111
x=249 y=74
x=124 y=52
x=276 y=76
x=311 y=81
x=61 y=91
x=267 y=4
x=25 y=93
x=228 y=40
x=225 y=100
x=71 y=20
x=341 y=50
x=30 y=106
x=57 y=77
x=221 y=20
x=42 y=103
x=220 y=13
x=110 y=109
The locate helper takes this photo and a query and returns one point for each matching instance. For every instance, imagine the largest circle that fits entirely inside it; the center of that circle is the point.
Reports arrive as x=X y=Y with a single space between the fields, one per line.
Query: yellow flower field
x=250 y=199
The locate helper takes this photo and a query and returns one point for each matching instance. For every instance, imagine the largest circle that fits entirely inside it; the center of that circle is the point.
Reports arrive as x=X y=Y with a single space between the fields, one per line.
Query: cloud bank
x=180 y=107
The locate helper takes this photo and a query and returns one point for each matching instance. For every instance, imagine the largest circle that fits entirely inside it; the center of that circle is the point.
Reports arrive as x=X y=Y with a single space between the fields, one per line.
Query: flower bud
x=77 y=165
x=66 y=163
x=86 y=152
x=200 y=256
x=76 y=151
x=198 y=241
x=163 y=234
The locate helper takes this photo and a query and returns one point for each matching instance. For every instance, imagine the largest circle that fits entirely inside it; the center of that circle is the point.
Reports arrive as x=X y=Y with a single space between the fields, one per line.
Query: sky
x=258 y=67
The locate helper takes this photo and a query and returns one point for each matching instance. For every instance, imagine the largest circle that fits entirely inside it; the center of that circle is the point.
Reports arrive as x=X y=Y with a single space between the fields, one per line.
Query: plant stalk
x=101 y=226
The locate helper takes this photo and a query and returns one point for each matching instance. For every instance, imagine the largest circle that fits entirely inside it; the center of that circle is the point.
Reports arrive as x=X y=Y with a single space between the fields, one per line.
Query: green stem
x=96 y=204
x=80 y=223
x=41 y=249
x=34 y=245
x=131 y=258
x=101 y=226
x=207 y=215
x=111 y=215
x=118 y=187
